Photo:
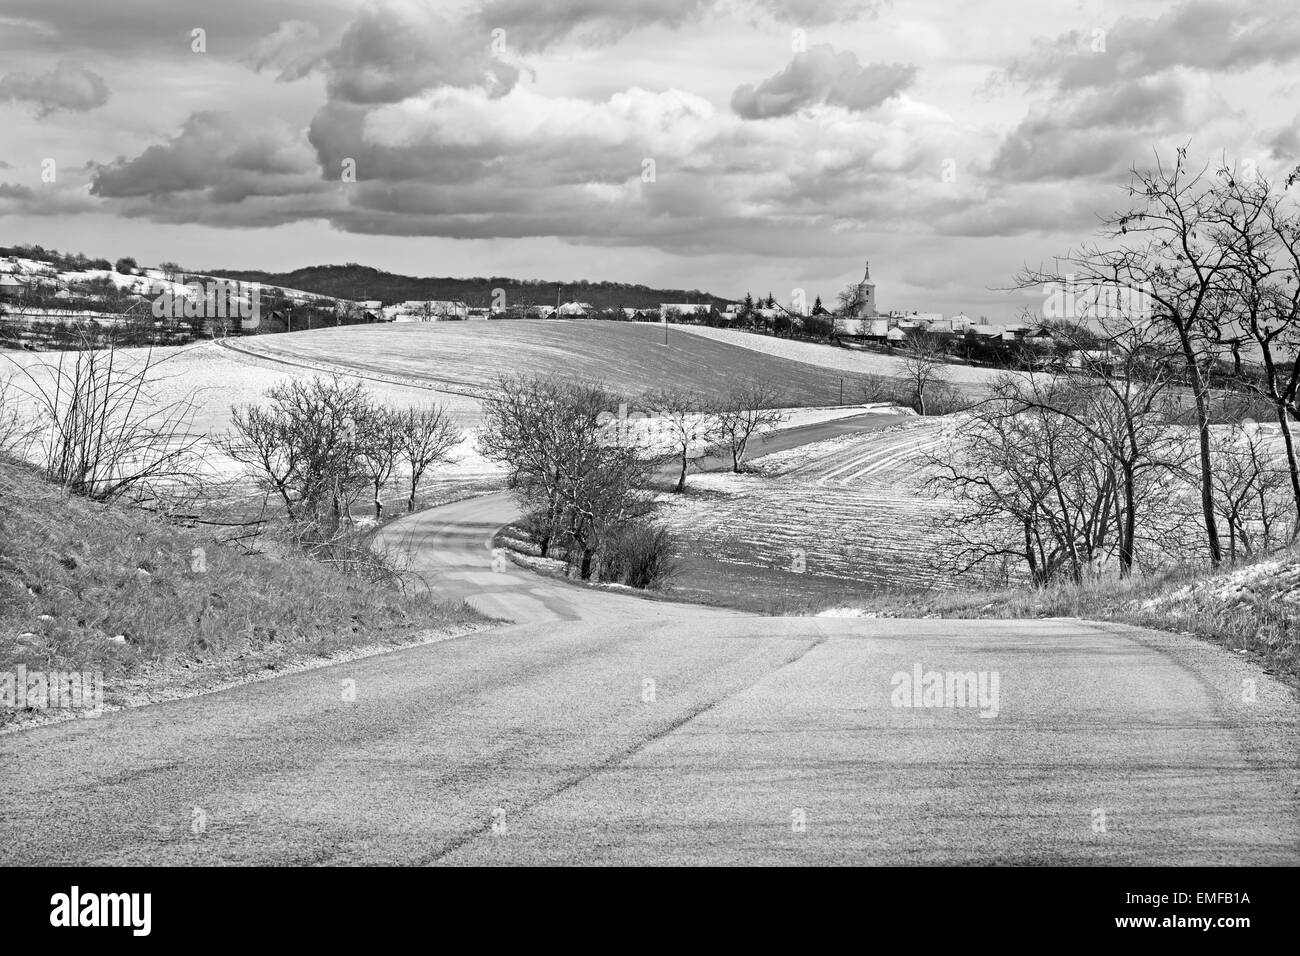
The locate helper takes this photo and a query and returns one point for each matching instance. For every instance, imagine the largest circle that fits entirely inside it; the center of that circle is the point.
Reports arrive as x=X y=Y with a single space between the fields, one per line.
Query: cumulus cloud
x=1211 y=35
x=820 y=75
x=223 y=157
x=1099 y=132
x=401 y=49
x=1103 y=132
x=66 y=87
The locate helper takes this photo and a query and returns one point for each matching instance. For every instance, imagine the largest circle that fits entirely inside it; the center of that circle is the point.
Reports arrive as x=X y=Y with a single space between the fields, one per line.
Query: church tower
x=867 y=294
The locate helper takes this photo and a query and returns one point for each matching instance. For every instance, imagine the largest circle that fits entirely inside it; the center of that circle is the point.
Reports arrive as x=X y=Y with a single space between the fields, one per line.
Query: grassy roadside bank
x=162 y=610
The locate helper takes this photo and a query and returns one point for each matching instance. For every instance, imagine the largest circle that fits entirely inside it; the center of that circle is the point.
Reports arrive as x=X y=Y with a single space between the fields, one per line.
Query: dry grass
x=87 y=586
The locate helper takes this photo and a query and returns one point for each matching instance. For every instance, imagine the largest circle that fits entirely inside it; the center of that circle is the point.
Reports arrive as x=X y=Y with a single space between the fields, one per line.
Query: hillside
x=357 y=282
x=629 y=357
x=91 y=587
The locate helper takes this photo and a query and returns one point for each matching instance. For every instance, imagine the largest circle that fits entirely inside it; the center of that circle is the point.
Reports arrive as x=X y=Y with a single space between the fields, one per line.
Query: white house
x=576 y=309
x=427 y=310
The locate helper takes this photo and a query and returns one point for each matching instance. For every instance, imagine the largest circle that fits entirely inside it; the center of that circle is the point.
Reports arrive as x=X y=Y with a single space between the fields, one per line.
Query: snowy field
x=850 y=507
x=215 y=379
x=832 y=357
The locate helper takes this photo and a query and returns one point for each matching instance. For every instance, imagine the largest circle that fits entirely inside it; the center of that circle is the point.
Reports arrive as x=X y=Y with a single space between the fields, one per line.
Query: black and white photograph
x=651 y=433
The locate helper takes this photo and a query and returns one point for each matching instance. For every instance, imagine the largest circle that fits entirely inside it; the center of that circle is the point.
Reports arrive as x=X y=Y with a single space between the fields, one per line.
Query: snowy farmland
x=839 y=359
x=469 y=357
x=850 y=508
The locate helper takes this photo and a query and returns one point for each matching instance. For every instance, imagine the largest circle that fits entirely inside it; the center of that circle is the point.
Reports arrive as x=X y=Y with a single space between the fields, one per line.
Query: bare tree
x=303 y=447
x=1250 y=486
x=1059 y=474
x=1121 y=399
x=1264 y=299
x=16 y=431
x=426 y=436
x=849 y=300
x=687 y=423
x=923 y=367
x=101 y=427
x=378 y=443
x=748 y=411
x=1173 y=250
x=565 y=469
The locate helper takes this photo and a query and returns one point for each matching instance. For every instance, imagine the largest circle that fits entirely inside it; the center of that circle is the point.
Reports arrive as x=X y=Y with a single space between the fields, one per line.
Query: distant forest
x=357 y=282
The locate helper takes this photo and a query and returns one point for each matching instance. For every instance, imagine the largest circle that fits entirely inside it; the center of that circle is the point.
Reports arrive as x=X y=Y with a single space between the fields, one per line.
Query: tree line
x=582 y=466
x=1187 y=314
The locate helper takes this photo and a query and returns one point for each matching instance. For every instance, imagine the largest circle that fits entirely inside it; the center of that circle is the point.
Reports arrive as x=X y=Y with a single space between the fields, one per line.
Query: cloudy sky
x=720 y=144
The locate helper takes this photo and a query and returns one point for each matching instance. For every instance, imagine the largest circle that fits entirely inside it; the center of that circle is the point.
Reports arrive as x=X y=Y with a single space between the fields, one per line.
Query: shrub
x=640 y=554
x=538 y=528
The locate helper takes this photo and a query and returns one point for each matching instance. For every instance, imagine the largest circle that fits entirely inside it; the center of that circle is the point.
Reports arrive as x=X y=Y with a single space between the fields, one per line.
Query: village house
x=426 y=310
x=682 y=310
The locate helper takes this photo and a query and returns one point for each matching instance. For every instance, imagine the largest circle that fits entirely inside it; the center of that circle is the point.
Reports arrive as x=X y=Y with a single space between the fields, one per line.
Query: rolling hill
x=629 y=357
x=357 y=282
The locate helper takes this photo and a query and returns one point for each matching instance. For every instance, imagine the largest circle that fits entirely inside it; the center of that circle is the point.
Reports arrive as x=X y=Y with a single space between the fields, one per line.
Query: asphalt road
x=605 y=728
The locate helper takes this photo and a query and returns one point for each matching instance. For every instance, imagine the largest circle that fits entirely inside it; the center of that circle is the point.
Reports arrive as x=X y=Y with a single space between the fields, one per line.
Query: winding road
x=603 y=728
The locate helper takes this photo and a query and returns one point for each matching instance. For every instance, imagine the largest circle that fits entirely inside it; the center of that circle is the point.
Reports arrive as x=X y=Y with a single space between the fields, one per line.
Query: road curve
x=606 y=728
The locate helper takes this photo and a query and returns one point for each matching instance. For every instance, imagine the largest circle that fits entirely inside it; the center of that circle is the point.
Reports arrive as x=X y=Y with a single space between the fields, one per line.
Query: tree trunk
x=1199 y=392
x=681 y=480
x=1130 y=526
x=1289 y=444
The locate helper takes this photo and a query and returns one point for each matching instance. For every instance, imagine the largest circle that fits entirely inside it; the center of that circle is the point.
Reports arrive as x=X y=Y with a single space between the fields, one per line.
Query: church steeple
x=867 y=293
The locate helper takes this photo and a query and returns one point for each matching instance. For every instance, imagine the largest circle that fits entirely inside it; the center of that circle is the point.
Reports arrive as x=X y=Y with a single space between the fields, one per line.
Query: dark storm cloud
x=820 y=75
x=66 y=86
